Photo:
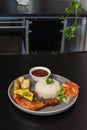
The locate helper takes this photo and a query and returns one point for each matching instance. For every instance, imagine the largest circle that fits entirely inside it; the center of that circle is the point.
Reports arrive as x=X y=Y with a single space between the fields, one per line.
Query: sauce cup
x=39 y=72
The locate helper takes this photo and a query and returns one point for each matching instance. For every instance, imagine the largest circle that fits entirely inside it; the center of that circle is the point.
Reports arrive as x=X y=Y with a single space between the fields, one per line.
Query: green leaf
x=62 y=17
x=49 y=81
x=76 y=5
x=61 y=94
x=69 y=32
x=74 y=28
x=68 y=10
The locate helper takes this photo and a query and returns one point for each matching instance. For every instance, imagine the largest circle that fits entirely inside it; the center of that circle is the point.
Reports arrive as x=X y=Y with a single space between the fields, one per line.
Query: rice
x=45 y=90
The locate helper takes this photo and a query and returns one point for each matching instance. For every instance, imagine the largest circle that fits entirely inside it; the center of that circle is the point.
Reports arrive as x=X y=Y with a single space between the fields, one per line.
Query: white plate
x=49 y=110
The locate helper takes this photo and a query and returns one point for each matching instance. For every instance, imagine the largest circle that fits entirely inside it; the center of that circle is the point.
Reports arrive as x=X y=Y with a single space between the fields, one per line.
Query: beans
x=40 y=73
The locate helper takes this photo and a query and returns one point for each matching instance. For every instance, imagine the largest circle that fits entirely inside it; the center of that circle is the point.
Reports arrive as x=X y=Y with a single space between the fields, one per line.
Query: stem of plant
x=76 y=7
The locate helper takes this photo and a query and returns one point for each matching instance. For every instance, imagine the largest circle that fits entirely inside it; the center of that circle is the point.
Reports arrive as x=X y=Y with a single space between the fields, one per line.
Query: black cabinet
x=45 y=35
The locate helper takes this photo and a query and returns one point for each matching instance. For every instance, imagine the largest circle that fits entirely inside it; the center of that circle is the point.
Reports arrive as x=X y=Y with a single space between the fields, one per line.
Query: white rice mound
x=45 y=90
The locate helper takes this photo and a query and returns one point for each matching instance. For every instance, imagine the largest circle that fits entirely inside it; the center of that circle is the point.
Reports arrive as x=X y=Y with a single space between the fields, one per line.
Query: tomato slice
x=72 y=88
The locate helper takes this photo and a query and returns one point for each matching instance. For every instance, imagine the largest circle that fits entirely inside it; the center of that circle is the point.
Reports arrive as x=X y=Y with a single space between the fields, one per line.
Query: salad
x=67 y=91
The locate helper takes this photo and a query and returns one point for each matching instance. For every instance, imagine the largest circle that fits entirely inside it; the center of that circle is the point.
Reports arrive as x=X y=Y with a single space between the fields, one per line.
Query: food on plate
x=24 y=93
x=40 y=72
x=46 y=92
x=21 y=82
x=25 y=83
x=22 y=88
x=28 y=104
x=35 y=104
x=67 y=91
x=21 y=78
x=72 y=88
x=47 y=88
x=17 y=84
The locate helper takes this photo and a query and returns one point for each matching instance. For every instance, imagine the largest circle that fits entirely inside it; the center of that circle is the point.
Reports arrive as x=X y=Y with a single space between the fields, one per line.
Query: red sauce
x=40 y=73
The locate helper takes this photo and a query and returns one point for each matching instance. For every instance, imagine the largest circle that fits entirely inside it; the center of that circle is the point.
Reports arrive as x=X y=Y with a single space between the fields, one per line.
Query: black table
x=72 y=66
